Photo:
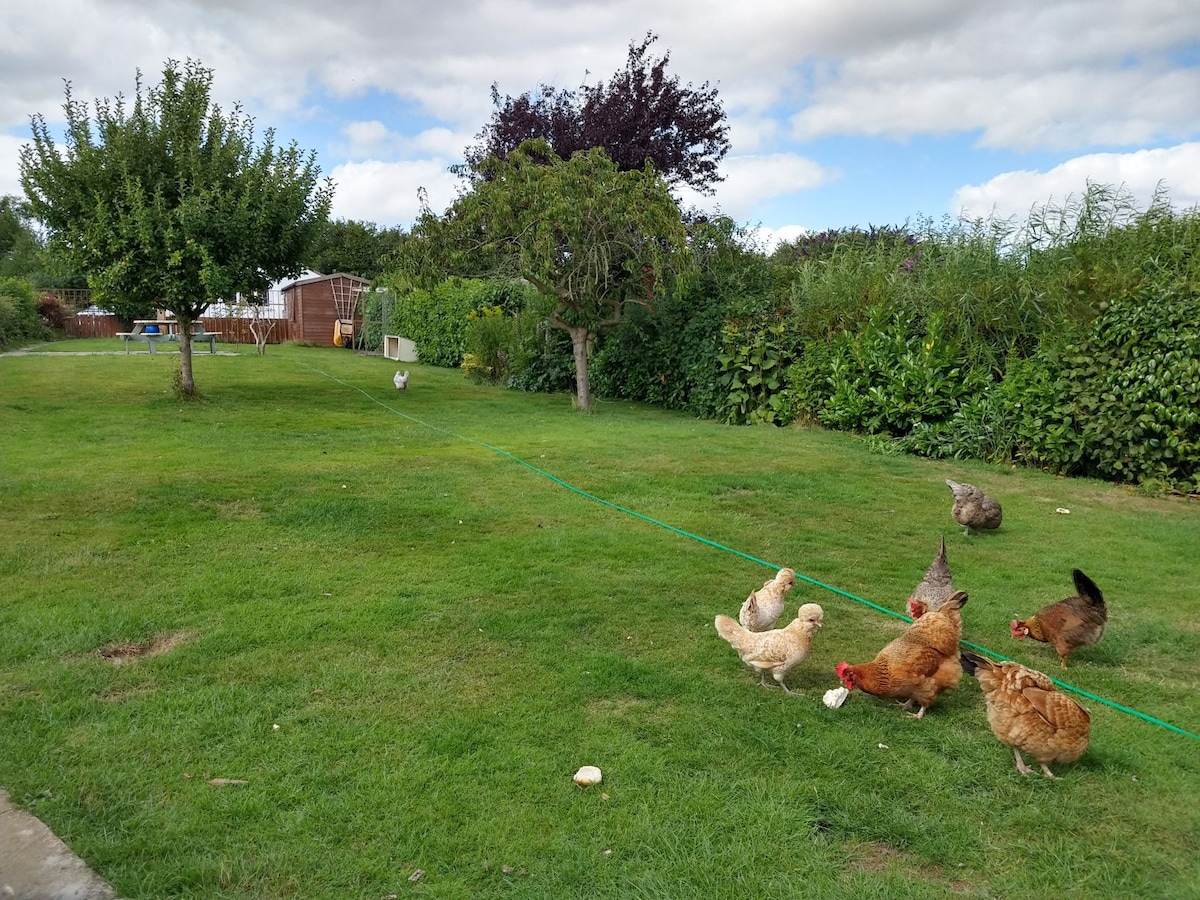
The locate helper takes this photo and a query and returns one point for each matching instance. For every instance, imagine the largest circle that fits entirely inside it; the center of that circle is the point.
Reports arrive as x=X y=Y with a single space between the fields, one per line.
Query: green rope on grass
x=746 y=556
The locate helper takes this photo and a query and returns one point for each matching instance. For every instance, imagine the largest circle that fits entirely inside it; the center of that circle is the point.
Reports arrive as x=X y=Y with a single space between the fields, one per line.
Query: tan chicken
x=1074 y=622
x=762 y=609
x=1027 y=713
x=777 y=651
x=973 y=508
x=917 y=666
x=935 y=588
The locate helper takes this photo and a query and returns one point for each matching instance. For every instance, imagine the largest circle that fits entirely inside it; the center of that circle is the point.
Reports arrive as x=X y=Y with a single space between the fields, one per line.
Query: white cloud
x=389 y=89
x=386 y=192
x=1014 y=194
x=10 y=166
x=750 y=180
x=770 y=238
x=373 y=139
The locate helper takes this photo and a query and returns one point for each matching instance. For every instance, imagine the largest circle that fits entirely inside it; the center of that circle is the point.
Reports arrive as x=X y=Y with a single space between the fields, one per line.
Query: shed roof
x=320 y=278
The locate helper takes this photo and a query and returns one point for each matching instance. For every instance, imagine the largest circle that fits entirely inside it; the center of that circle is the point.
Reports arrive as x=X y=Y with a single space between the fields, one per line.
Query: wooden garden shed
x=325 y=310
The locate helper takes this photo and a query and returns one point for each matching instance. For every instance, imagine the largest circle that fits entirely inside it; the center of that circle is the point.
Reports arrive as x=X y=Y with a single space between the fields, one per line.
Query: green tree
x=170 y=204
x=585 y=234
x=356 y=248
x=20 y=245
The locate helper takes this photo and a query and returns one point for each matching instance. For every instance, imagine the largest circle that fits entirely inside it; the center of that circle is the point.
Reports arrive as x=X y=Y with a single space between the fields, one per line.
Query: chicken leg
x=1025 y=770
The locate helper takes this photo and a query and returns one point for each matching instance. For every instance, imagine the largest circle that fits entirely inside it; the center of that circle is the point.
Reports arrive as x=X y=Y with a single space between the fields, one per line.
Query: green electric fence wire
x=746 y=556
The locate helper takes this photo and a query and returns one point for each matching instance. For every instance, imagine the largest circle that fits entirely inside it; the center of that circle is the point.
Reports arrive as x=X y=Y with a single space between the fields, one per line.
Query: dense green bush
x=436 y=320
x=542 y=359
x=1131 y=389
x=671 y=354
x=19 y=319
x=893 y=375
x=491 y=336
x=753 y=361
x=1120 y=403
x=1068 y=342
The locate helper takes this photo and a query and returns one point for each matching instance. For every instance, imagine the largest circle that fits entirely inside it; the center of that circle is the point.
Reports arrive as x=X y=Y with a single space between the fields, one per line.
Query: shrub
x=1121 y=403
x=671 y=354
x=1136 y=383
x=52 y=312
x=19 y=319
x=752 y=365
x=541 y=358
x=490 y=337
x=892 y=376
x=436 y=321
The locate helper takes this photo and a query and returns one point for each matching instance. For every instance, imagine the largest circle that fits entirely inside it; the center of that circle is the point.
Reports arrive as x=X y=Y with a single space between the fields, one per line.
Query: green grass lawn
x=404 y=641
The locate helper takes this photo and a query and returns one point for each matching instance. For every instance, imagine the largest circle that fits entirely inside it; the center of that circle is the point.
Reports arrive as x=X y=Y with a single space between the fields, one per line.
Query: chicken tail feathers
x=1087 y=589
x=730 y=630
x=973 y=661
x=957 y=600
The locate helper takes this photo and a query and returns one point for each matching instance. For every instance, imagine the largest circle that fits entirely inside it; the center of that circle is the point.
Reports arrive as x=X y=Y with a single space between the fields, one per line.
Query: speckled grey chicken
x=935 y=588
x=973 y=508
x=762 y=609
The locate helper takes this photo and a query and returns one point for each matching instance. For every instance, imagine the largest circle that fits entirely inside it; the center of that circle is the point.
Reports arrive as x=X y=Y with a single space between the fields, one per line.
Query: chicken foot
x=907 y=706
x=767 y=684
x=1025 y=770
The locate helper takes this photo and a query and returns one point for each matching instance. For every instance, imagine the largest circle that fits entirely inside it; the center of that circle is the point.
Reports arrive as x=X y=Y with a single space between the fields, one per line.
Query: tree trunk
x=580 y=340
x=187 y=383
x=259 y=329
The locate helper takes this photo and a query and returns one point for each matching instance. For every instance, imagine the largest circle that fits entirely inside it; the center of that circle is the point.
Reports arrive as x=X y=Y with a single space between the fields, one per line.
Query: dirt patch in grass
x=121 y=653
x=876 y=857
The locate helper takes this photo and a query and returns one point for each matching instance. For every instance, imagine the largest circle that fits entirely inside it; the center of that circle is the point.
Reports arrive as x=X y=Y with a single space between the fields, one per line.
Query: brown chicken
x=777 y=651
x=1027 y=713
x=935 y=588
x=762 y=609
x=973 y=508
x=1067 y=624
x=918 y=665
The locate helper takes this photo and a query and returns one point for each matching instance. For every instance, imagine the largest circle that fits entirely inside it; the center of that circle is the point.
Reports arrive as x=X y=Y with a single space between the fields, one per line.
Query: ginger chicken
x=777 y=651
x=973 y=508
x=762 y=609
x=1074 y=622
x=935 y=588
x=1028 y=714
x=918 y=665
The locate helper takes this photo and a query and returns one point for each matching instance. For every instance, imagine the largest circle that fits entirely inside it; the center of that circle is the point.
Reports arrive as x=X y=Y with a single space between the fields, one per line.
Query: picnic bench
x=171 y=336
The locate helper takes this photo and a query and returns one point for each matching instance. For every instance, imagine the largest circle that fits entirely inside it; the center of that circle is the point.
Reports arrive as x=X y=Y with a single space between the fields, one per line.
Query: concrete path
x=35 y=865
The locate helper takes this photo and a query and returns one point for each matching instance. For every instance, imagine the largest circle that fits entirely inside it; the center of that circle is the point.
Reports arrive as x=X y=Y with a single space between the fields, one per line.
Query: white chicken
x=401 y=380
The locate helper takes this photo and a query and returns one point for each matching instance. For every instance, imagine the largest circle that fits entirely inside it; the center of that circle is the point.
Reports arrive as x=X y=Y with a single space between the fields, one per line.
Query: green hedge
x=19 y=320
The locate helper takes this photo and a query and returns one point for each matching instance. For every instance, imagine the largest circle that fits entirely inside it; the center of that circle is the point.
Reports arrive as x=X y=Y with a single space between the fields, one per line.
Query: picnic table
x=152 y=332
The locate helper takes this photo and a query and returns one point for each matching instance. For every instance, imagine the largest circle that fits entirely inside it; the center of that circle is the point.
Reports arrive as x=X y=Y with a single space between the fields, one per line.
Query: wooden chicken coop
x=325 y=310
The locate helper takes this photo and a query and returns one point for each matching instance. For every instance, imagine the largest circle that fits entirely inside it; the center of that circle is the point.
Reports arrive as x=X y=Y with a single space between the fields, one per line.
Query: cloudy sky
x=859 y=112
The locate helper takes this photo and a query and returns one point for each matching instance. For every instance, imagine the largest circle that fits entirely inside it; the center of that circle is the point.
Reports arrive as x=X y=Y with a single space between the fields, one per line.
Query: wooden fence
x=232 y=330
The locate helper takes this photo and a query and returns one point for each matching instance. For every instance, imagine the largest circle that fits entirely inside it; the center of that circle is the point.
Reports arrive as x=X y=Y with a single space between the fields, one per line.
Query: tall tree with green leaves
x=170 y=204
x=589 y=236
x=356 y=248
